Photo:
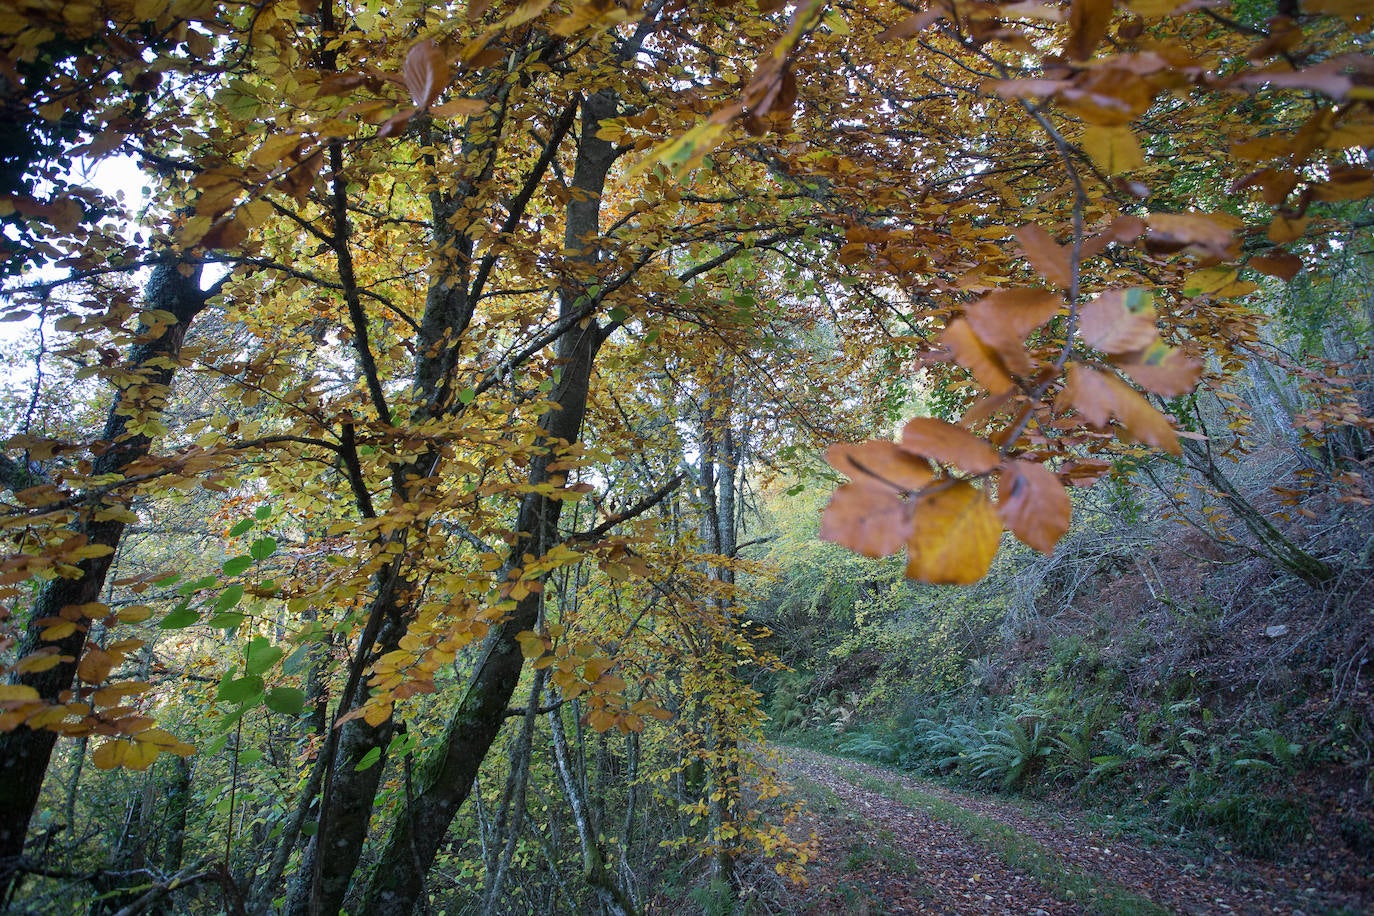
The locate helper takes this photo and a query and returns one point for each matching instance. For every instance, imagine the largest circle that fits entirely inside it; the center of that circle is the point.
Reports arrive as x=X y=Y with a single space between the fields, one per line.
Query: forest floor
x=894 y=844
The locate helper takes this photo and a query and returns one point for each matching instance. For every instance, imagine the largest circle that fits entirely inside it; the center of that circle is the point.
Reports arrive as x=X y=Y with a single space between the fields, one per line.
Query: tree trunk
x=25 y=752
x=447 y=775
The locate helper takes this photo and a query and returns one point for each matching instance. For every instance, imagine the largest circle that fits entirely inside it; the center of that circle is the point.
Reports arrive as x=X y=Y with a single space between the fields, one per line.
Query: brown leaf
x=1284 y=229
x=868 y=520
x=976 y=357
x=1163 y=369
x=95 y=665
x=954 y=536
x=426 y=72
x=1051 y=260
x=1208 y=235
x=1123 y=230
x=909 y=26
x=458 y=107
x=1089 y=20
x=1002 y=319
x=1119 y=321
x=1277 y=263
x=1033 y=504
x=949 y=444
x=880 y=464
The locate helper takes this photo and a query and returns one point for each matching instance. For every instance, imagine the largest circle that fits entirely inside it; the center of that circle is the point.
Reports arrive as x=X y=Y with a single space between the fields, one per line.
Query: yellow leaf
x=1113 y=149
x=40 y=661
x=17 y=693
x=954 y=536
x=110 y=755
x=60 y=630
x=375 y=713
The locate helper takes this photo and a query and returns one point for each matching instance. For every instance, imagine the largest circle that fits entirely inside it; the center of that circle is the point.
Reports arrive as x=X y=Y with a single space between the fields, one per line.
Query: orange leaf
x=954 y=536
x=1119 y=321
x=1099 y=397
x=1033 y=504
x=1002 y=319
x=879 y=464
x=1052 y=260
x=949 y=444
x=866 y=519
x=426 y=72
x=976 y=357
x=1163 y=369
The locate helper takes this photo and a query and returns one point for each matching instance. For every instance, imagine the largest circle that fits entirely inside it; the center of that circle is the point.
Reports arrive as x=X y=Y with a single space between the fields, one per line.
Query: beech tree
x=463 y=247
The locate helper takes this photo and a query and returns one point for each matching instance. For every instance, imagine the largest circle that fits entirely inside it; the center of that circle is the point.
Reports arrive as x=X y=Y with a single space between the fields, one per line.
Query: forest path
x=894 y=844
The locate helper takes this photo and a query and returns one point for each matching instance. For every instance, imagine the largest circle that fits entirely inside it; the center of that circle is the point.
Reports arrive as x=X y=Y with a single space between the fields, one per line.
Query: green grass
x=1099 y=894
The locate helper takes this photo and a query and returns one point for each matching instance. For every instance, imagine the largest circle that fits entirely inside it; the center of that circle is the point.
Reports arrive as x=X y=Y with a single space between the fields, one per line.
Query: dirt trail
x=881 y=854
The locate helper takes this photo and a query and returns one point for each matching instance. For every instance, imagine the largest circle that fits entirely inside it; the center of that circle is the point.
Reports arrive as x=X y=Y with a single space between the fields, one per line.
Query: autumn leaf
x=1002 y=319
x=1099 y=397
x=1208 y=235
x=977 y=357
x=426 y=73
x=1119 y=321
x=1033 y=504
x=1112 y=149
x=1277 y=263
x=1051 y=260
x=949 y=444
x=95 y=665
x=1089 y=20
x=1162 y=369
x=881 y=464
x=954 y=536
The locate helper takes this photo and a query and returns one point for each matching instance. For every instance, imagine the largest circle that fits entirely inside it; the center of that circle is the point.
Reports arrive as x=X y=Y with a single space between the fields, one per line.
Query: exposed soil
x=879 y=855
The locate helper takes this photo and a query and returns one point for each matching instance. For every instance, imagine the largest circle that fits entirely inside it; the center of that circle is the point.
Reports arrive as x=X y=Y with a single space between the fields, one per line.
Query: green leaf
x=263 y=513
x=261 y=655
x=263 y=548
x=230 y=597
x=240 y=690
x=467 y=395
x=226 y=621
x=310 y=828
x=241 y=528
x=167 y=581
x=619 y=313
x=286 y=700
x=237 y=565
x=369 y=760
x=402 y=744
x=190 y=588
x=181 y=616
x=215 y=746
x=252 y=755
